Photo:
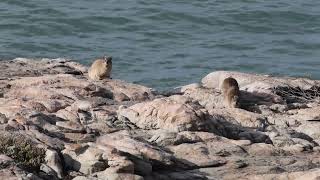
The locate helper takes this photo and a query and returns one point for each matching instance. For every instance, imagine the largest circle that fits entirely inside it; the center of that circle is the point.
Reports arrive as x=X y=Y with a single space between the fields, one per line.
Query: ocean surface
x=168 y=43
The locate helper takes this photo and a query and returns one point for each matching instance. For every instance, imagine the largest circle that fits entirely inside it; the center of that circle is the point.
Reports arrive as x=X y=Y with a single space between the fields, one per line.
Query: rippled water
x=167 y=43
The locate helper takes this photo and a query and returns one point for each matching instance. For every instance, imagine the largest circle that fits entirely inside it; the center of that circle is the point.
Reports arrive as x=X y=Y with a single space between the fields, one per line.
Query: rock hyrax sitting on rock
x=231 y=92
x=100 y=68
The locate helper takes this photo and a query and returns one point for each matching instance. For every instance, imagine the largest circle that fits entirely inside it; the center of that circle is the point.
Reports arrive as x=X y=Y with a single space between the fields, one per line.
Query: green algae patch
x=22 y=149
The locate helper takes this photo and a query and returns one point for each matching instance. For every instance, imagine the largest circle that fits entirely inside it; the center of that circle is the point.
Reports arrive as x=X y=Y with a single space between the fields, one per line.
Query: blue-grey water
x=167 y=43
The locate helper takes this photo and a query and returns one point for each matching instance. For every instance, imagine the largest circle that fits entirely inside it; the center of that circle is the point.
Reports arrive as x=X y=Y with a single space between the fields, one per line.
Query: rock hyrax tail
x=231 y=92
x=100 y=68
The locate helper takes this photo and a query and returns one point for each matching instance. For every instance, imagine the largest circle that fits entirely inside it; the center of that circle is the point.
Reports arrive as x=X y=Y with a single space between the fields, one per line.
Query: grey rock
x=54 y=162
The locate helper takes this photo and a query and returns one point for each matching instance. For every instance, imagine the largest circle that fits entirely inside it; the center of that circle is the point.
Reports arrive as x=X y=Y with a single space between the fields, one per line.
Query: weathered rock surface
x=175 y=113
x=57 y=124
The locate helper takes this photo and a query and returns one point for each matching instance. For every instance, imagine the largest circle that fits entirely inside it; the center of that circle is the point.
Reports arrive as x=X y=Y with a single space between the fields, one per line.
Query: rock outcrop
x=55 y=123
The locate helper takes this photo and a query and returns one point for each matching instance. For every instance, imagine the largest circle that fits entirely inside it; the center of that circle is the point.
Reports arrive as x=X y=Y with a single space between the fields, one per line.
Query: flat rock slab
x=175 y=113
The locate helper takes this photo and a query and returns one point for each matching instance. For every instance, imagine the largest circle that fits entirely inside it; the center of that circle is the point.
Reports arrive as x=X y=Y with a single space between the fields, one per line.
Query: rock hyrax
x=100 y=68
x=231 y=92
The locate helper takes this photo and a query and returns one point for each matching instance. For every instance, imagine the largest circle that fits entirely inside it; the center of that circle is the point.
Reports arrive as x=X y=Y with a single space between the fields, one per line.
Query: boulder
x=54 y=162
x=175 y=113
x=84 y=159
x=122 y=141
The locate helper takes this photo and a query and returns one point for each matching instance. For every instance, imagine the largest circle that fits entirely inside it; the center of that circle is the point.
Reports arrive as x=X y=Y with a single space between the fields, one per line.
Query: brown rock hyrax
x=100 y=68
x=231 y=93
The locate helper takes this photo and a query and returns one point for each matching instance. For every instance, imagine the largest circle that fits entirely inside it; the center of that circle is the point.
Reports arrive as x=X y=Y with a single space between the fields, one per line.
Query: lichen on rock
x=22 y=149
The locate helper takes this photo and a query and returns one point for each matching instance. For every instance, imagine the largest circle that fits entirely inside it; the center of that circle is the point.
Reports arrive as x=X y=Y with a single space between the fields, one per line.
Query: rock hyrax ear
x=231 y=92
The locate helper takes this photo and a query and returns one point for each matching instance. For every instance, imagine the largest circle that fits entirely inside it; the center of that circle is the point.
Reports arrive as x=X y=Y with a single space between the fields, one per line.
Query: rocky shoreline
x=57 y=124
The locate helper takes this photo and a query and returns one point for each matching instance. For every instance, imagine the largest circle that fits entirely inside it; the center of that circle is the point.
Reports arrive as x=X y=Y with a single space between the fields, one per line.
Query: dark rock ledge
x=57 y=124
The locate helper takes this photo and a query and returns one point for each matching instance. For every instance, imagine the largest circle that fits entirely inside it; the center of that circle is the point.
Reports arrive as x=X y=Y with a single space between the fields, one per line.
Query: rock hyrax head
x=108 y=60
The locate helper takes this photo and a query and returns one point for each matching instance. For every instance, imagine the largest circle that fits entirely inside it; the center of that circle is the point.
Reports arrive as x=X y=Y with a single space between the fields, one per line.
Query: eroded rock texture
x=57 y=124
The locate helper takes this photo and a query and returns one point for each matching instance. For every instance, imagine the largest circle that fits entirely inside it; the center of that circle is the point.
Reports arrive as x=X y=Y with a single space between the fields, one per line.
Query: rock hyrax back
x=100 y=68
x=231 y=92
